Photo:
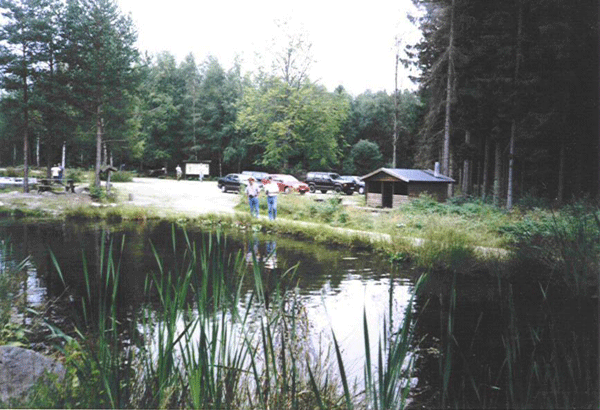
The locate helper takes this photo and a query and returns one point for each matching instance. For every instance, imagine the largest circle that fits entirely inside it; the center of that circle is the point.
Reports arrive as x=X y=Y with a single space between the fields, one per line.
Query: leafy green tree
x=219 y=93
x=100 y=55
x=364 y=158
x=191 y=83
x=162 y=115
x=294 y=125
x=372 y=118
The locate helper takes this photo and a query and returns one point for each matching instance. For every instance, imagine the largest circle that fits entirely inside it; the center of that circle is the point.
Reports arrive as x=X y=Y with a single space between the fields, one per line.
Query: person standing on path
x=272 y=190
x=252 y=191
x=179 y=172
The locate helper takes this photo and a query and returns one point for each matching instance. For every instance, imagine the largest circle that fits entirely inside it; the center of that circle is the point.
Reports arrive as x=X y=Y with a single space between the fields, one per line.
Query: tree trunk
x=479 y=178
x=395 y=136
x=511 y=164
x=561 y=175
x=25 y=129
x=486 y=166
x=450 y=173
x=26 y=153
x=513 y=127
x=446 y=150
x=497 y=173
x=98 y=144
x=466 y=180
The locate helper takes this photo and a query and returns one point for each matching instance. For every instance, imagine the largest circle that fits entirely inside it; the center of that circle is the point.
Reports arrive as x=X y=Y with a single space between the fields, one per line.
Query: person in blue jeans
x=252 y=191
x=272 y=190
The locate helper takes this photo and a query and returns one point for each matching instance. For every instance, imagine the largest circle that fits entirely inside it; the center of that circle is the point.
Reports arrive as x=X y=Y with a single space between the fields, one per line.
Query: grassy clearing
x=475 y=222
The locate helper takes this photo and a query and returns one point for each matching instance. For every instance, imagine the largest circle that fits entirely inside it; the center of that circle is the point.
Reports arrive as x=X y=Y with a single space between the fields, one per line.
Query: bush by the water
x=566 y=243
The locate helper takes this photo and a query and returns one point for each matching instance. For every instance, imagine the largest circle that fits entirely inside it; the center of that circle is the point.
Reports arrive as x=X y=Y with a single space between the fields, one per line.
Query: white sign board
x=197 y=168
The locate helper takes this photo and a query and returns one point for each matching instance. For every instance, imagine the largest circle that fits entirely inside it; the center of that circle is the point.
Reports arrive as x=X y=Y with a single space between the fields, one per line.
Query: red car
x=287 y=184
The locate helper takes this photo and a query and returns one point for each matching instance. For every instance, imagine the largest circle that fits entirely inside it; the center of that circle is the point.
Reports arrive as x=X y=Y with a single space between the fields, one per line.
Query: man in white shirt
x=55 y=170
x=252 y=191
x=272 y=189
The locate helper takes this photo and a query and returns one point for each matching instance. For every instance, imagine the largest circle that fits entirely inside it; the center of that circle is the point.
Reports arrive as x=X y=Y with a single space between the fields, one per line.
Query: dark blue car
x=234 y=182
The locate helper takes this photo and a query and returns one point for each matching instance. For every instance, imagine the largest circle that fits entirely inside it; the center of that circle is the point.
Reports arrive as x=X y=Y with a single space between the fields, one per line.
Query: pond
x=479 y=341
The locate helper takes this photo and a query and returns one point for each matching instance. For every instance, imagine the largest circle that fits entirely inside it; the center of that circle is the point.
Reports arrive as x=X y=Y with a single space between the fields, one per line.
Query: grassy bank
x=463 y=235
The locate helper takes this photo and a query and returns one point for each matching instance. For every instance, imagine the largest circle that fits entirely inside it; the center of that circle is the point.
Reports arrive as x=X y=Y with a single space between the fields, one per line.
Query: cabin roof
x=411 y=175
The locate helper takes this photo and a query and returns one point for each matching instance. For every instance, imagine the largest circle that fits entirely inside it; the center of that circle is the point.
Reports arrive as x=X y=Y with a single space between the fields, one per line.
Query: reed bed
x=215 y=334
x=528 y=359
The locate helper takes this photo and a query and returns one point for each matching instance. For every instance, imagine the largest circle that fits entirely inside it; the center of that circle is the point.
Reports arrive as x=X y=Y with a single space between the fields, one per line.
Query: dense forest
x=507 y=100
x=511 y=95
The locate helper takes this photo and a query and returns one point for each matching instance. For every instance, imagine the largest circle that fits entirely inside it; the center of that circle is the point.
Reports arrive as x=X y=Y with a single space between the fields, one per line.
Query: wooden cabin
x=390 y=187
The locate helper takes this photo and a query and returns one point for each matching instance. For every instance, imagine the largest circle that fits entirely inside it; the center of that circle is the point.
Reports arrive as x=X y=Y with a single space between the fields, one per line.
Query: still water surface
x=487 y=342
x=336 y=287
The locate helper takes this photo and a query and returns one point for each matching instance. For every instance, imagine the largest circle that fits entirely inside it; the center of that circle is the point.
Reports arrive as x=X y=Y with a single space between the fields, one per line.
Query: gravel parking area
x=189 y=197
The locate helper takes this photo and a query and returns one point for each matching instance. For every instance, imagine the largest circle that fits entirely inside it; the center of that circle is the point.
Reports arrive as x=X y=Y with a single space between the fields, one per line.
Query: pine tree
x=24 y=36
x=100 y=55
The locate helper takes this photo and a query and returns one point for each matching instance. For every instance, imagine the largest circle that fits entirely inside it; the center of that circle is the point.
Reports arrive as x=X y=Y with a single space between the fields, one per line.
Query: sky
x=353 y=43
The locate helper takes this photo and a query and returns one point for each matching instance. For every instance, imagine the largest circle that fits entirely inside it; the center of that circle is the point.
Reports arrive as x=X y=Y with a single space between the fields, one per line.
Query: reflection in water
x=496 y=326
x=271 y=256
x=331 y=287
x=267 y=259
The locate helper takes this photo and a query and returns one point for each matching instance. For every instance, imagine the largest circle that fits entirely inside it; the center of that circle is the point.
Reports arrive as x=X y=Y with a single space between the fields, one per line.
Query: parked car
x=258 y=175
x=288 y=183
x=328 y=181
x=234 y=182
x=359 y=184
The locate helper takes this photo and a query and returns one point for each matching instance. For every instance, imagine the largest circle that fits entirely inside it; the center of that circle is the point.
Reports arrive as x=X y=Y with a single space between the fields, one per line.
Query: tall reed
x=387 y=385
x=215 y=334
x=102 y=363
x=529 y=357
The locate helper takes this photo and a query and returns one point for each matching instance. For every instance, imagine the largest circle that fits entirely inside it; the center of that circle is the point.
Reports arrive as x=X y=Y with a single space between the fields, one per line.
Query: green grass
x=453 y=236
x=477 y=223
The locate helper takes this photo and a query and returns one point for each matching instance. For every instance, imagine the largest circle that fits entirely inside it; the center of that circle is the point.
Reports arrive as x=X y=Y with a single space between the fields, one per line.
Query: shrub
x=566 y=243
x=121 y=176
x=97 y=193
x=528 y=202
x=76 y=174
x=13 y=172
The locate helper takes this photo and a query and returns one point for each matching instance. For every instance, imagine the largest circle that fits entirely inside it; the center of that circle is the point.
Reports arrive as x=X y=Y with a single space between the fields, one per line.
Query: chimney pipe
x=436 y=172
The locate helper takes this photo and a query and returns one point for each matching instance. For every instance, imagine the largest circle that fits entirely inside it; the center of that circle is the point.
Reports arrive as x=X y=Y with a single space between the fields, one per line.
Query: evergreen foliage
x=507 y=96
x=523 y=71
